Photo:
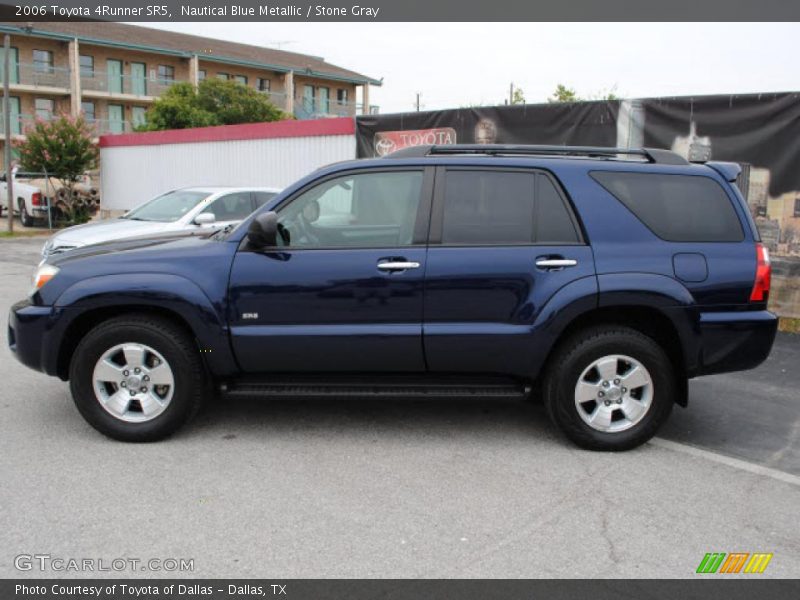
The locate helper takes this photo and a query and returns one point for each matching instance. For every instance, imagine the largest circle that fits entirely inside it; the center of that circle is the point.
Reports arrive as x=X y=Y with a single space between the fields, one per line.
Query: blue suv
x=599 y=279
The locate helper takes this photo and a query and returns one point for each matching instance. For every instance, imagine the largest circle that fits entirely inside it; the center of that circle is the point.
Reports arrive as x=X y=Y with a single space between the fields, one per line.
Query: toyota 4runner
x=599 y=279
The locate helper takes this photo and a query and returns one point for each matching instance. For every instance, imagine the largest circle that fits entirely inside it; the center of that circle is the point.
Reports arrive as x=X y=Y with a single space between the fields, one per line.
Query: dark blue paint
x=467 y=309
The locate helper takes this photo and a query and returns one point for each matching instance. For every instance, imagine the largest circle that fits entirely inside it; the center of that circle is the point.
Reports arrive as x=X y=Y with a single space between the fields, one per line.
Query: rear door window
x=677 y=208
x=486 y=207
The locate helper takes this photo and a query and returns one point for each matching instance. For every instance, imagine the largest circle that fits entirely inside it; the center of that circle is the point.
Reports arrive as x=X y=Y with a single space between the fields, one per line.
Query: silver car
x=185 y=209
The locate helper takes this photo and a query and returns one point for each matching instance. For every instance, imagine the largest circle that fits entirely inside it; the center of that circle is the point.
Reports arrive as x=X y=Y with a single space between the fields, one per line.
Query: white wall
x=130 y=175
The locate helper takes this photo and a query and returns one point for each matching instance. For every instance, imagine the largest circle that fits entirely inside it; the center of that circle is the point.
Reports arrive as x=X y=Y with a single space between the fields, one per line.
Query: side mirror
x=205 y=218
x=263 y=230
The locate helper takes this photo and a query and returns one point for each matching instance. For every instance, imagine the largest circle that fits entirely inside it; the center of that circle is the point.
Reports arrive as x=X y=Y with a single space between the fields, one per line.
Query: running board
x=387 y=386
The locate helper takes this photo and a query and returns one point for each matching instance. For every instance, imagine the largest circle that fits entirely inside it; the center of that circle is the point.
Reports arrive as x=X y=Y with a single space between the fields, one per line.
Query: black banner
x=400 y=589
x=582 y=123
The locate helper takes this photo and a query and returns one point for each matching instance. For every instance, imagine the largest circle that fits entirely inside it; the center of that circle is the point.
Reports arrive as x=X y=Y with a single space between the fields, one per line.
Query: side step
x=385 y=386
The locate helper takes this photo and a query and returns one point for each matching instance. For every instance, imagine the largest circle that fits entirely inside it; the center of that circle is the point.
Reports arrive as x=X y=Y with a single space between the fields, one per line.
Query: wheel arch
x=88 y=320
x=646 y=319
x=91 y=301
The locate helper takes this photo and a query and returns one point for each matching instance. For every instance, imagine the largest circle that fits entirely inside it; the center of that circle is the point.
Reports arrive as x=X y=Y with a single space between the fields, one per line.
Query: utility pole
x=7 y=124
x=417 y=103
x=511 y=93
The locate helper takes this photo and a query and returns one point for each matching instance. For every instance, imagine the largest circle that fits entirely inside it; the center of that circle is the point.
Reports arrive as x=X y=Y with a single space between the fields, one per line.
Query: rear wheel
x=137 y=378
x=24 y=217
x=609 y=388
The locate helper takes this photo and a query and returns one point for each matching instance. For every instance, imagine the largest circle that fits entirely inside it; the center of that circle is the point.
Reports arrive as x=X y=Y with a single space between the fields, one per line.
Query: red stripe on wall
x=226 y=133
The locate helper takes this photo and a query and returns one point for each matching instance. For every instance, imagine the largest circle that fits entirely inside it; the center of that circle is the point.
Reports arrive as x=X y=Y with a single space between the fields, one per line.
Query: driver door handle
x=555 y=263
x=397 y=265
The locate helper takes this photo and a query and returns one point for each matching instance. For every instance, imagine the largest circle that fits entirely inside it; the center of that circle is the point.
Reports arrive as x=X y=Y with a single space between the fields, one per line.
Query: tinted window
x=231 y=207
x=497 y=208
x=262 y=198
x=677 y=208
x=368 y=210
x=553 y=222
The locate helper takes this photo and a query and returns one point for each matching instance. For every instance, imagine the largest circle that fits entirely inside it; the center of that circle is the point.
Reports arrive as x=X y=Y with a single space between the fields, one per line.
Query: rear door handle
x=555 y=263
x=397 y=265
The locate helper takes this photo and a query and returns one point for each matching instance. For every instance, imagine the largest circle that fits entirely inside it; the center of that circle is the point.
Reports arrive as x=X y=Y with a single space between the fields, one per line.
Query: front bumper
x=735 y=341
x=29 y=328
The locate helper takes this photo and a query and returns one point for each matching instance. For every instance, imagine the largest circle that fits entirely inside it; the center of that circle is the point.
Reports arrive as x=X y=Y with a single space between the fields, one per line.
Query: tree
x=564 y=94
x=518 y=97
x=62 y=148
x=214 y=102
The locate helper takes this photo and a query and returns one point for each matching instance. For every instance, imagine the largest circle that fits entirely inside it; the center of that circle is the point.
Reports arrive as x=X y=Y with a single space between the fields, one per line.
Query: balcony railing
x=314 y=108
x=21 y=122
x=277 y=98
x=114 y=83
x=39 y=75
x=107 y=126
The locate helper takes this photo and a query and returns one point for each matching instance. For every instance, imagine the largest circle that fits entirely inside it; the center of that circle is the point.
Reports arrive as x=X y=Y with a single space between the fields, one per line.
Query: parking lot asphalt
x=428 y=489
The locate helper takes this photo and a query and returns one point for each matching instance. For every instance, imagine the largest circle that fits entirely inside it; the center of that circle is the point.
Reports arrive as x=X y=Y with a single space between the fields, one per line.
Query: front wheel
x=609 y=388
x=137 y=378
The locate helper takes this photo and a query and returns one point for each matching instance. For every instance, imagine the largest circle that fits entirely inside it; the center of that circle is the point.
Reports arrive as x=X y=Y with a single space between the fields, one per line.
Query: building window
x=116 y=118
x=166 y=73
x=223 y=76
x=797 y=207
x=88 y=110
x=16 y=119
x=262 y=84
x=45 y=107
x=324 y=95
x=201 y=74
x=138 y=114
x=87 y=65
x=43 y=61
x=341 y=96
x=13 y=59
x=240 y=79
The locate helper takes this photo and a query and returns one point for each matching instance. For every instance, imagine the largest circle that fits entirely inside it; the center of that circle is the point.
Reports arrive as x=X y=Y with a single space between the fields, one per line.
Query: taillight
x=36 y=199
x=760 y=291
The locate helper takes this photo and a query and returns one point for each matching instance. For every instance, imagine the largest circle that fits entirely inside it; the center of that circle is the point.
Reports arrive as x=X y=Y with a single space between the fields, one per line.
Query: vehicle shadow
x=402 y=417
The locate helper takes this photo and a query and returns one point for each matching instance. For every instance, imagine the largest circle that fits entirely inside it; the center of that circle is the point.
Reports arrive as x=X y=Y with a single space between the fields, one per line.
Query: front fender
x=172 y=293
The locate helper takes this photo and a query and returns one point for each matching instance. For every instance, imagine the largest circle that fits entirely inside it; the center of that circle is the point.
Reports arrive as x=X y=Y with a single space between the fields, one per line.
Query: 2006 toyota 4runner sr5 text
x=600 y=279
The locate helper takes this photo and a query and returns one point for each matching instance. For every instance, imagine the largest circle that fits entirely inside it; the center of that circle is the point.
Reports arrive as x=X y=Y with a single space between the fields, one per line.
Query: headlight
x=42 y=275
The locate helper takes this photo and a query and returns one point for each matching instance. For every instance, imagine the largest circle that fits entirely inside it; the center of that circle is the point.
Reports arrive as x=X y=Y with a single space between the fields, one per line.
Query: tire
x=24 y=217
x=103 y=373
x=592 y=405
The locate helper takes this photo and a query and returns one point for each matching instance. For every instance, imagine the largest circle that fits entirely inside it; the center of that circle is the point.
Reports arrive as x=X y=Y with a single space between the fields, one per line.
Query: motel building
x=112 y=72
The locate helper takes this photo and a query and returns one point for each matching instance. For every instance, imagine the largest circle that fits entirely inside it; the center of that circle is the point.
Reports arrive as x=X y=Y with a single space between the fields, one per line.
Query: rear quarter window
x=677 y=208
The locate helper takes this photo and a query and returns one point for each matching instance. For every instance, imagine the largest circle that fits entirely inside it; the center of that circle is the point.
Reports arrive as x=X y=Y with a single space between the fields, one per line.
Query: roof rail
x=653 y=155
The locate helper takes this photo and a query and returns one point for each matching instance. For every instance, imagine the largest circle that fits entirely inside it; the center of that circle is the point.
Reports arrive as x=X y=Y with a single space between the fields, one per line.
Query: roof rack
x=652 y=155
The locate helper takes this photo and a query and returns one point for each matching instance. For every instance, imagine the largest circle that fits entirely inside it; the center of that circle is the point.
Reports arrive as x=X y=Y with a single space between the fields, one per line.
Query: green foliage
x=214 y=102
x=564 y=94
x=518 y=97
x=62 y=148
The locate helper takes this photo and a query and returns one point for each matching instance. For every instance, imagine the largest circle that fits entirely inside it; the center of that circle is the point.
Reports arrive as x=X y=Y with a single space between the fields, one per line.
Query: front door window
x=368 y=210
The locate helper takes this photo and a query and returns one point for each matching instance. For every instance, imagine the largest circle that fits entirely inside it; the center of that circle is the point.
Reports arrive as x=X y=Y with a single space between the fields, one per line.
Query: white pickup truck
x=29 y=202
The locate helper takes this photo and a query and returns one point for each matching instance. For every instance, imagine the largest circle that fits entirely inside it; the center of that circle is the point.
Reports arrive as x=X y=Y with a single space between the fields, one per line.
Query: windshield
x=169 y=207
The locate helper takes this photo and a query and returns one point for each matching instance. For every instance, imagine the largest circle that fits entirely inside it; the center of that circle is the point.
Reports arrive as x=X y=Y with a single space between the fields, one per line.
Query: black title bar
x=401 y=10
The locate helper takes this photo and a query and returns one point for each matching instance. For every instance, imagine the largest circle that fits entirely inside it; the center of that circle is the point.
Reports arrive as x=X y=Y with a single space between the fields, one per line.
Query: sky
x=462 y=64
